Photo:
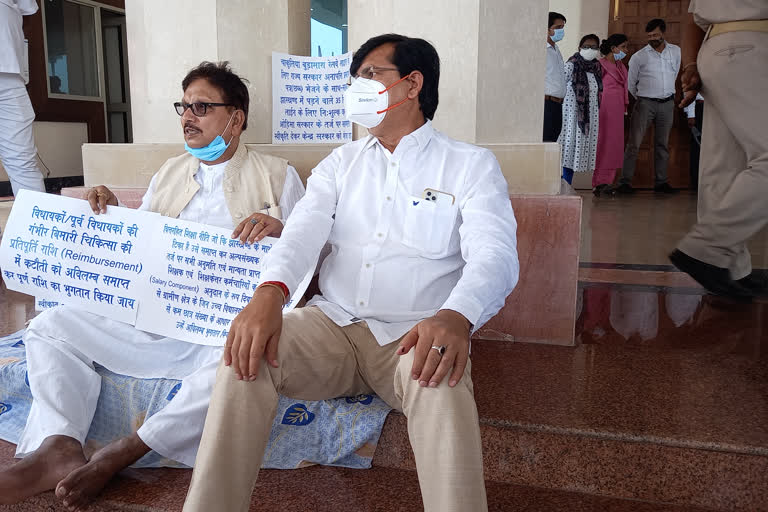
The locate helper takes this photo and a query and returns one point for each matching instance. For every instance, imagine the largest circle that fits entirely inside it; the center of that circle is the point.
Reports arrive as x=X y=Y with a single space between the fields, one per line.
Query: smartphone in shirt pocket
x=430 y=221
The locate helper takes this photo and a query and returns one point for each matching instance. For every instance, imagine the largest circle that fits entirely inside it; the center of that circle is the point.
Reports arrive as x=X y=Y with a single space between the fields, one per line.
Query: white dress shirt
x=397 y=258
x=554 y=84
x=11 y=35
x=690 y=110
x=653 y=74
x=208 y=205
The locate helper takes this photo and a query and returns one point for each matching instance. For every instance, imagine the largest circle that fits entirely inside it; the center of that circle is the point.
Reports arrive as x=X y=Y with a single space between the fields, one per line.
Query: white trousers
x=63 y=343
x=17 y=142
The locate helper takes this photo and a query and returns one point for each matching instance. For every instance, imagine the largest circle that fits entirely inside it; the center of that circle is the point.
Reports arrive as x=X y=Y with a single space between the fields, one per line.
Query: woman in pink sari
x=610 y=138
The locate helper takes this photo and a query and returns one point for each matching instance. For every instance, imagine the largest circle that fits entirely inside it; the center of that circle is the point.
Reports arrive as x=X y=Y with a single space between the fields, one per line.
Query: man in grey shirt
x=652 y=73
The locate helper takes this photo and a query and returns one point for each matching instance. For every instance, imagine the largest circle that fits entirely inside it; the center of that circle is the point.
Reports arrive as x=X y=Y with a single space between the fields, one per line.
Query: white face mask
x=588 y=53
x=366 y=102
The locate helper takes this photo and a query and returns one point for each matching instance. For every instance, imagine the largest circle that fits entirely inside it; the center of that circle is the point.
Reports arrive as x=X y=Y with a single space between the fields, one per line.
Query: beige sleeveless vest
x=253 y=182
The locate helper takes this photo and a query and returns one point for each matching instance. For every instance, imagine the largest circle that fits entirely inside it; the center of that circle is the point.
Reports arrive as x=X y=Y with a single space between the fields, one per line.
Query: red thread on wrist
x=278 y=284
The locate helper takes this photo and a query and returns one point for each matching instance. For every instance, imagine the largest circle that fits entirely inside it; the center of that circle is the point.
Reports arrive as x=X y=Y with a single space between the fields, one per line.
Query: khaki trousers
x=733 y=182
x=319 y=360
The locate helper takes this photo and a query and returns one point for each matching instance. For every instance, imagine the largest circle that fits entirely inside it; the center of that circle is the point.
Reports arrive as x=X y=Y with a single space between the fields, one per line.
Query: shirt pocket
x=428 y=227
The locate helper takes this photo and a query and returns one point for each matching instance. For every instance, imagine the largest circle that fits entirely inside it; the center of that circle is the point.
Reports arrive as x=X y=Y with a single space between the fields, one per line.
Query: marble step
x=657 y=424
x=329 y=489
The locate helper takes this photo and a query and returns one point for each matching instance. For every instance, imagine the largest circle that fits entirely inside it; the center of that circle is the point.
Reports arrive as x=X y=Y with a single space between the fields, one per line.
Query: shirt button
x=380 y=235
x=362 y=303
x=389 y=198
x=393 y=164
x=367 y=265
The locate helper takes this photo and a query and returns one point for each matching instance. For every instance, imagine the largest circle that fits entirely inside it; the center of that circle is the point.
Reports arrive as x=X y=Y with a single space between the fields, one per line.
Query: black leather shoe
x=756 y=282
x=716 y=280
x=664 y=188
x=625 y=188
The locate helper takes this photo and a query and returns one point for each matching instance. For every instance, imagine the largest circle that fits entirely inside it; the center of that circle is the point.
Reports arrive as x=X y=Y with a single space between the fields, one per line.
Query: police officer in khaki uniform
x=731 y=41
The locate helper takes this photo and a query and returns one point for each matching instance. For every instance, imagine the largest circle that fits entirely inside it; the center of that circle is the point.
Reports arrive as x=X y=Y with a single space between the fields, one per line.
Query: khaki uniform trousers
x=733 y=173
x=319 y=360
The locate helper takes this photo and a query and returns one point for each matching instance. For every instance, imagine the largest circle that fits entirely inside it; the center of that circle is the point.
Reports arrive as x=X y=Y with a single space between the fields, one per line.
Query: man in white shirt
x=423 y=252
x=213 y=184
x=652 y=73
x=17 y=143
x=554 y=83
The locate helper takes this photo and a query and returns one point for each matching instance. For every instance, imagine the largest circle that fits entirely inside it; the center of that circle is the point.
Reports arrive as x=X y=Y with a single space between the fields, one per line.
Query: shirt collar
x=650 y=48
x=421 y=135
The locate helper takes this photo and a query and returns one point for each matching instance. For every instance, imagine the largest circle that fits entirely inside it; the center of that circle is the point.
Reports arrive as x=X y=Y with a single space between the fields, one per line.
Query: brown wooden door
x=630 y=17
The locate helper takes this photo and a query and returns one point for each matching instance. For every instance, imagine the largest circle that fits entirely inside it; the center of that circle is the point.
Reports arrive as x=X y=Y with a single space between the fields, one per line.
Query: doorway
x=630 y=17
x=116 y=86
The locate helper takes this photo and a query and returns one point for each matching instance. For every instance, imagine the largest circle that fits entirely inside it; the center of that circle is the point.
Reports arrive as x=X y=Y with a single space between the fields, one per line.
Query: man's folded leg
x=316 y=361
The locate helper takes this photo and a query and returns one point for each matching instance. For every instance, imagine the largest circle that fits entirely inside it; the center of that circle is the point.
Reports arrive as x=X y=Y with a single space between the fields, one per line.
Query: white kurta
x=64 y=343
x=579 y=150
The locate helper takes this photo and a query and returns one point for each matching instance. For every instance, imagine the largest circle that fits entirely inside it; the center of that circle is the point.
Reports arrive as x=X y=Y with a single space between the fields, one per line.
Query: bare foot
x=41 y=470
x=79 y=488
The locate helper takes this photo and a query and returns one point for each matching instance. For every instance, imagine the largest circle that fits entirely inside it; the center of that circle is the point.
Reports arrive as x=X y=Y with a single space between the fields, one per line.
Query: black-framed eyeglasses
x=369 y=72
x=590 y=47
x=199 y=108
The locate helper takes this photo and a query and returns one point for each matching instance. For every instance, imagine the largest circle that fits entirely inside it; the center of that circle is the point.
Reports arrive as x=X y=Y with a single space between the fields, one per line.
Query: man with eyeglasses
x=423 y=253
x=218 y=182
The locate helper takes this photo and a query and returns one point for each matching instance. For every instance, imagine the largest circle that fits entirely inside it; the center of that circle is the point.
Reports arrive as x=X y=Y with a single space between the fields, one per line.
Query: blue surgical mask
x=620 y=55
x=214 y=150
x=559 y=34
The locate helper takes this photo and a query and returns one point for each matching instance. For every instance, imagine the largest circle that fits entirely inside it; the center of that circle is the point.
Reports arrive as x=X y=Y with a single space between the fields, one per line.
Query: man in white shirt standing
x=218 y=182
x=17 y=143
x=554 y=83
x=652 y=74
x=423 y=252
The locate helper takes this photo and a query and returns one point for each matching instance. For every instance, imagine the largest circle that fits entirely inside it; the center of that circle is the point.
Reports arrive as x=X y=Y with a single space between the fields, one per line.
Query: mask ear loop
x=225 y=128
x=399 y=102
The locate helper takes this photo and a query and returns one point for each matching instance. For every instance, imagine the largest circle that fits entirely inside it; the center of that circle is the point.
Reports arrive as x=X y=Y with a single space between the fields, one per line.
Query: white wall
x=58 y=144
x=492 y=68
x=167 y=38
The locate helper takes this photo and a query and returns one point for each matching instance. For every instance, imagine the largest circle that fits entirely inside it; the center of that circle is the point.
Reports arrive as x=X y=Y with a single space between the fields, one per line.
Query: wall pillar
x=167 y=38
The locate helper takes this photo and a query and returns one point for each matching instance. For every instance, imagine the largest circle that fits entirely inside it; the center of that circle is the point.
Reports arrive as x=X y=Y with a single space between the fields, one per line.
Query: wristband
x=280 y=286
x=689 y=65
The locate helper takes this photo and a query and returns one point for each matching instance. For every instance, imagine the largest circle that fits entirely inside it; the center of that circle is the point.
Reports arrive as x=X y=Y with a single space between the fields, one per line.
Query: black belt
x=658 y=100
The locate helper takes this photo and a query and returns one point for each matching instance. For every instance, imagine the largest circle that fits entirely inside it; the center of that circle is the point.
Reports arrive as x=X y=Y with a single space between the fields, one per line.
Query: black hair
x=613 y=40
x=554 y=16
x=220 y=75
x=411 y=54
x=587 y=38
x=656 y=23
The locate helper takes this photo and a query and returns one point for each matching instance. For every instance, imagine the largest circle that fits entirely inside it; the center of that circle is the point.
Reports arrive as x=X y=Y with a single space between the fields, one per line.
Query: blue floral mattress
x=338 y=432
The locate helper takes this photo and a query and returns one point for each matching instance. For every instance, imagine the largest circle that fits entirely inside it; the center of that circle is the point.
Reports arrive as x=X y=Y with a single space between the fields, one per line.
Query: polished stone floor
x=657 y=360
x=643 y=228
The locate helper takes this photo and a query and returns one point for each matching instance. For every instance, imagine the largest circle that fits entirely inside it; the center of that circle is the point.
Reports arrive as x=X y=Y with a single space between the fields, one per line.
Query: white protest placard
x=58 y=250
x=199 y=280
x=308 y=99
x=165 y=276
